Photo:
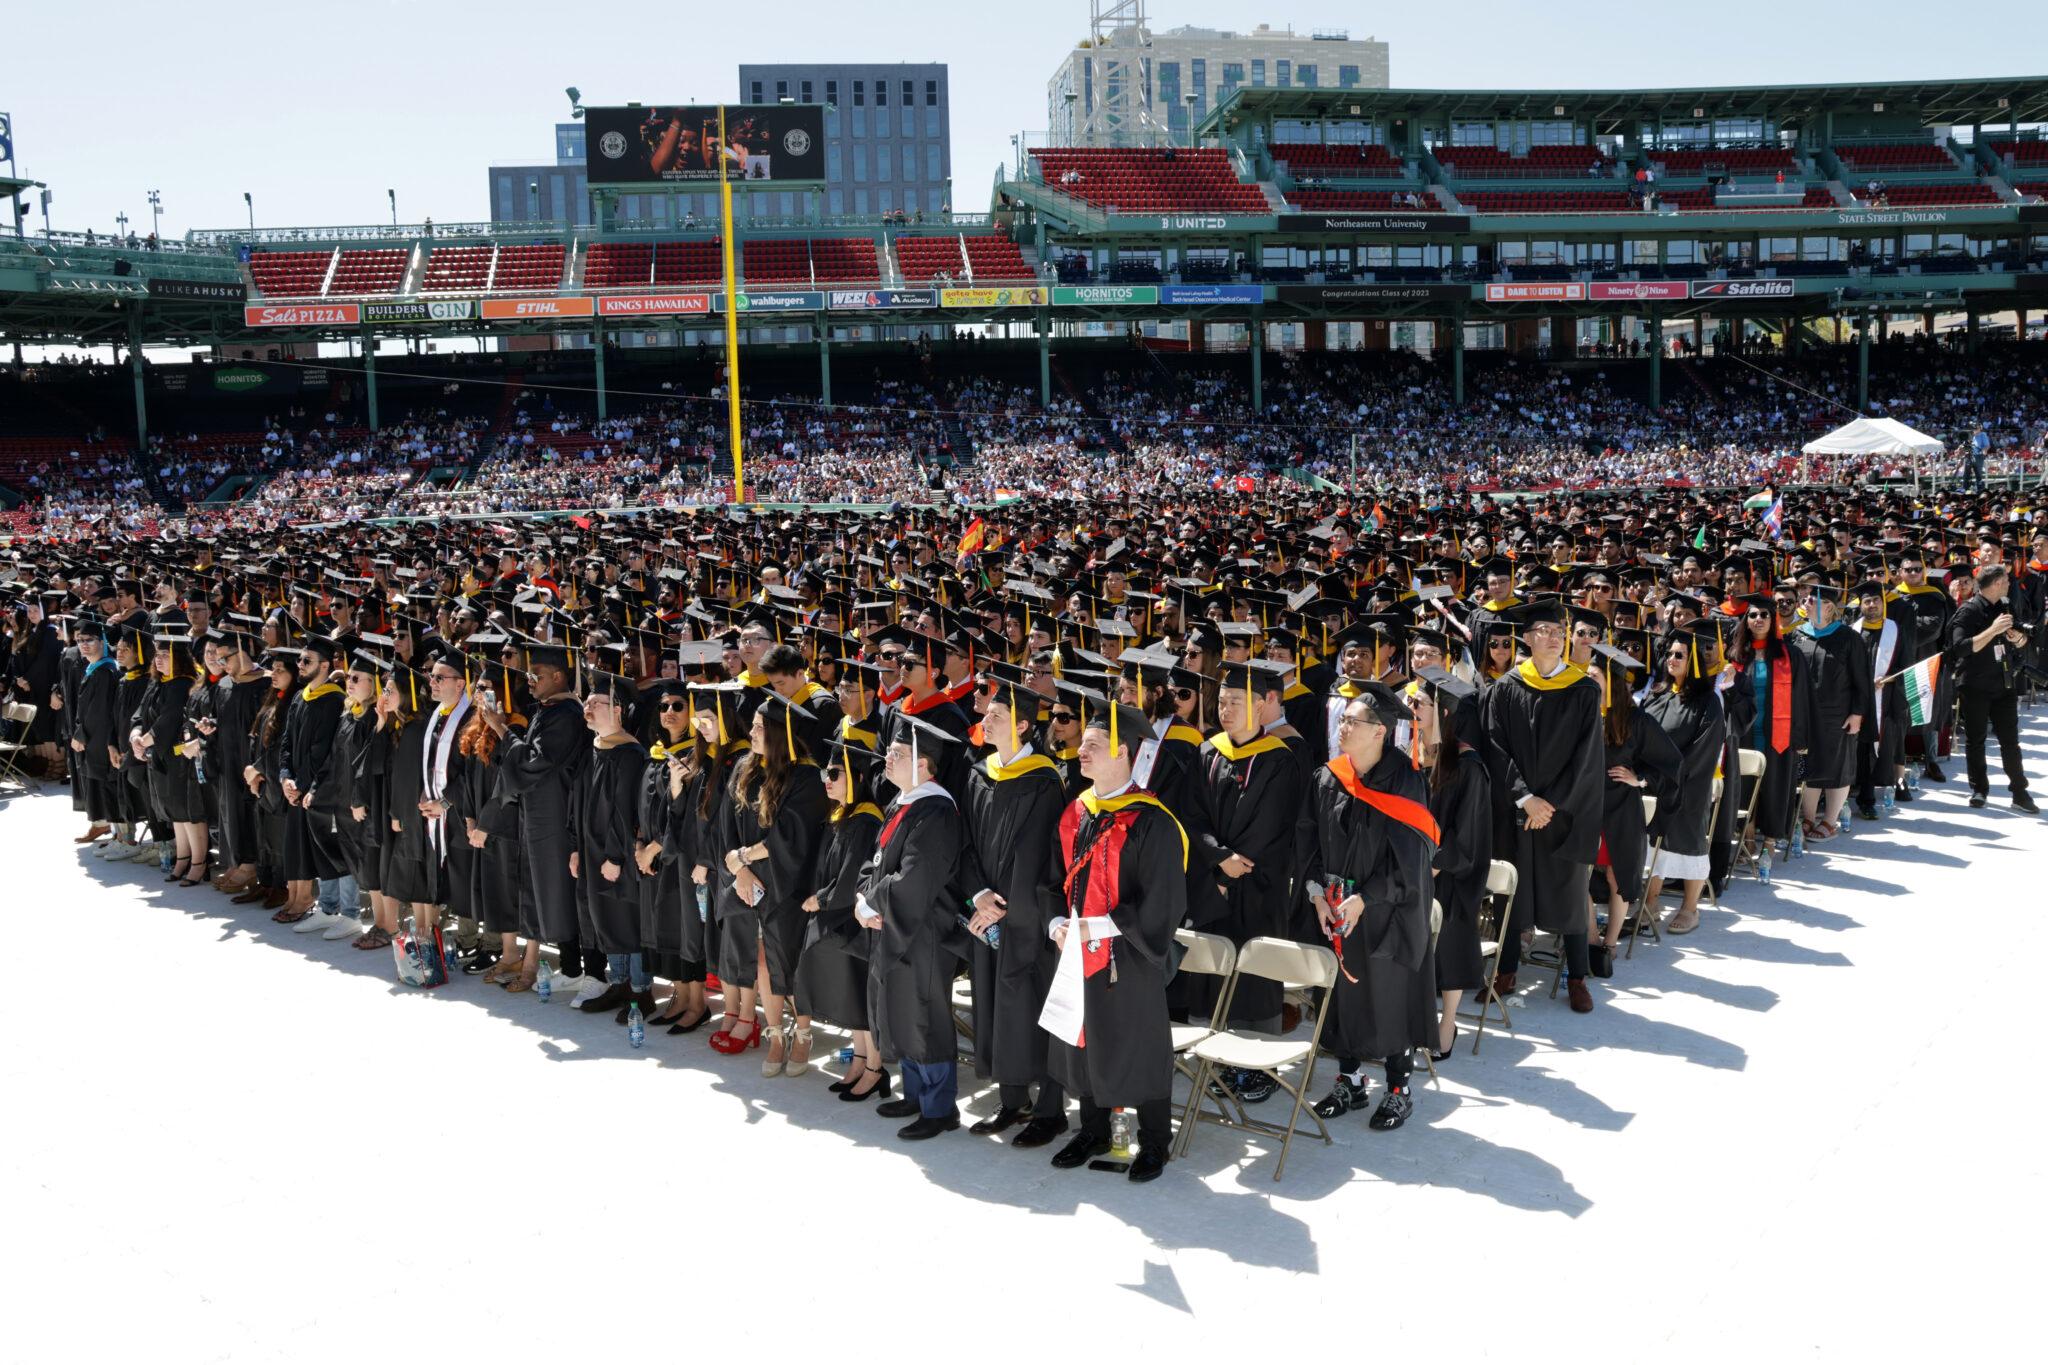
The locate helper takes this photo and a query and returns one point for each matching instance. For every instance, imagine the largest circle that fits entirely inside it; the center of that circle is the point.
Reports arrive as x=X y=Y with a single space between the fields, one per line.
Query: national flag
x=1774 y=517
x=1920 y=681
x=1699 y=539
x=1756 y=502
x=972 y=538
x=1375 y=519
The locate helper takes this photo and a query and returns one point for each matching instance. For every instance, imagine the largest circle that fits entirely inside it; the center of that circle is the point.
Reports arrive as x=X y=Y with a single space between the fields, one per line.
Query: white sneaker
x=577 y=989
x=112 y=850
x=343 y=926
x=316 y=922
x=134 y=853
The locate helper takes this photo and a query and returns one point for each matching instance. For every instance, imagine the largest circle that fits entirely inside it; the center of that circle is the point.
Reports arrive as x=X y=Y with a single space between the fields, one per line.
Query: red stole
x=1413 y=814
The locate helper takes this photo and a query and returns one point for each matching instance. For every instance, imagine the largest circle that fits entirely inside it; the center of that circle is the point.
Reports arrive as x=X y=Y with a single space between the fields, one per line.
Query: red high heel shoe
x=723 y=1041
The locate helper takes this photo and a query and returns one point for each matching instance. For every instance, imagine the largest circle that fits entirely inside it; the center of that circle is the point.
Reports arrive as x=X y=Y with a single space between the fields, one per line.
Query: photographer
x=1988 y=650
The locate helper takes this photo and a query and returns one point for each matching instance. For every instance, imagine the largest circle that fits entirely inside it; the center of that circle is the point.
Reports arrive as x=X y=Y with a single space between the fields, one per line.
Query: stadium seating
x=845 y=260
x=615 y=265
x=776 y=260
x=1337 y=158
x=1548 y=201
x=21 y=456
x=920 y=258
x=1963 y=192
x=991 y=258
x=1486 y=163
x=2039 y=187
x=1895 y=157
x=289 y=274
x=1150 y=180
x=369 y=272
x=457 y=270
x=1748 y=161
x=689 y=263
x=2030 y=152
x=1701 y=200
x=537 y=266
x=1324 y=200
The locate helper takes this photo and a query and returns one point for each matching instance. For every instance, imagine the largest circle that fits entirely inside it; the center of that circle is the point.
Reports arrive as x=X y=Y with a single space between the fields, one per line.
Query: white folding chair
x=1639 y=921
x=1496 y=914
x=1753 y=763
x=18 y=715
x=1207 y=955
x=1289 y=964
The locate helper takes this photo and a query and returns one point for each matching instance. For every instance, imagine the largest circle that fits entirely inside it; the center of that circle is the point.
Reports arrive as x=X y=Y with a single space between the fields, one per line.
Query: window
x=781 y=91
x=831 y=92
x=910 y=120
x=1258 y=71
x=1306 y=74
x=931 y=94
x=860 y=117
x=1169 y=83
x=1233 y=76
x=1282 y=69
x=837 y=199
x=888 y=199
x=832 y=120
x=860 y=94
x=860 y=162
x=931 y=163
x=931 y=123
x=754 y=93
x=860 y=203
x=882 y=163
x=833 y=169
x=909 y=161
x=1347 y=77
x=910 y=92
x=806 y=87
x=881 y=94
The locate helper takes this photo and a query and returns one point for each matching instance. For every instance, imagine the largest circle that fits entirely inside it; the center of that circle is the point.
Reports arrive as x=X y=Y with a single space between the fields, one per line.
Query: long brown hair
x=762 y=780
x=271 y=714
x=1621 y=712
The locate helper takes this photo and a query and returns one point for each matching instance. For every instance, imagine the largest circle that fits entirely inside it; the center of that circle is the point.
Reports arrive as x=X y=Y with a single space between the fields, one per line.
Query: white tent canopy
x=1874 y=436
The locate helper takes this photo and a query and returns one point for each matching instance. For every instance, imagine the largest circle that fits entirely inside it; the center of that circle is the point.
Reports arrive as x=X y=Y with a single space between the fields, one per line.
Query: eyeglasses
x=1755 y=615
x=674 y=706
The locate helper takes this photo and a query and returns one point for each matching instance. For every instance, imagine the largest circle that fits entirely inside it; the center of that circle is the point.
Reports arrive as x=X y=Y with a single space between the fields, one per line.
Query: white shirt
x=1098 y=926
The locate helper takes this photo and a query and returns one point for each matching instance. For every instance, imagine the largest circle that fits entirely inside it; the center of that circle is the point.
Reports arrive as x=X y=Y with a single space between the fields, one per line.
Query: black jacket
x=1989 y=669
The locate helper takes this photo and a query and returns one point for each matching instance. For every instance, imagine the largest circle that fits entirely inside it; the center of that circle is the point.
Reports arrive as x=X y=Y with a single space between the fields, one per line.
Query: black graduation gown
x=200 y=760
x=541 y=767
x=660 y=818
x=1251 y=803
x=1390 y=1008
x=1930 y=610
x=700 y=849
x=235 y=708
x=409 y=870
x=1546 y=742
x=1884 y=728
x=911 y=882
x=70 y=673
x=500 y=890
x=94 y=713
x=1840 y=671
x=776 y=925
x=35 y=671
x=270 y=807
x=953 y=762
x=1649 y=753
x=172 y=786
x=1126 y=1056
x=363 y=753
x=306 y=756
x=1696 y=727
x=133 y=775
x=1011 y=821
x=1751 y=716
x=832 y=976
x=1463 y=808
x=605 y=812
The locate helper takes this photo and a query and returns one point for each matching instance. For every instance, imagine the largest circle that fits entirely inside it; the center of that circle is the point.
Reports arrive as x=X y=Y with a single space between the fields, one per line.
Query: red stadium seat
x=2026 y=152
x=1745 y=161
x=1337 y=158
x=1150 y=180
x=1963 y=192
x=1894 y=156
x=458 y=270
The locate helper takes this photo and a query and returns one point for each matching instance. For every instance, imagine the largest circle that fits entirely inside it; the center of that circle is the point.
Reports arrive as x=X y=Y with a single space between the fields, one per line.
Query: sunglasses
x=674 y=706
x=833 y=774
x=1063 y=717
x=1755 y=615
x=1184 y=693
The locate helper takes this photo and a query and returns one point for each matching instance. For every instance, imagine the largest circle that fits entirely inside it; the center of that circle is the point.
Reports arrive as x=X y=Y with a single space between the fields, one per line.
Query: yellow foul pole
x=732 y=318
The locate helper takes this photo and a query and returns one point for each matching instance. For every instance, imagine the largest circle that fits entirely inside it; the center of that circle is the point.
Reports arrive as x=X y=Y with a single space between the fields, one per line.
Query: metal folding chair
x=1496 y=913
x=1207 y=955
x=1638 y=921
x=1752 y=763
x=18 y=715
x=1290 y=964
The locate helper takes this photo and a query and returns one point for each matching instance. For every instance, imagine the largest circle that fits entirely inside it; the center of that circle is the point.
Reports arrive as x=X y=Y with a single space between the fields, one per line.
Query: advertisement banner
x=773 y=301
x=1199 y=295
x=421 y=310
x=678 y=143
x=1085 y=295
x=1028 y=296
x=856 y=299
x=652 y=305
x=239 y=379
x=1743 y=289
x=301 y=314
x=1375 y=222
x=1639 y=289
x=1339 y=295
x=210 y=291
x=1537 y=291
x=513 y=310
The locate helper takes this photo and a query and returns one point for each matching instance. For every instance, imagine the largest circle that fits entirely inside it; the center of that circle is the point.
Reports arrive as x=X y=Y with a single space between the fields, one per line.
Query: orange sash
x=1413 y=814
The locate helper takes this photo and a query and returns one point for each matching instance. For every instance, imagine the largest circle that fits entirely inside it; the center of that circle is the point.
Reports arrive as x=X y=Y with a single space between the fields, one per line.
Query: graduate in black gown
x=1843 y=700
x=408 y=870
x=1014 y=799
x=1639 y=760
x=832 y=976
x=312 y=850
x=604 y=814
x=664 y=849
x=363 y=749
x=908 y=899
x=1769 y=700
x=541 y=768
x=239 y=697
x=1446 y=712
x=136 y=827
x=1685 y=704
x=93 y=719
x=1923 y=611
x=1368 y=842
x=488 y=815
x=1542 y=725
x=1881 y=745
x=267 y=752
x=1124 y=892
x=160 y=729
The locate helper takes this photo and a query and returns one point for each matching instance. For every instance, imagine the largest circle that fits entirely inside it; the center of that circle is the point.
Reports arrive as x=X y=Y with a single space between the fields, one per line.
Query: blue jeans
x=630 y=968
x=935 y=1086
x=339 y=896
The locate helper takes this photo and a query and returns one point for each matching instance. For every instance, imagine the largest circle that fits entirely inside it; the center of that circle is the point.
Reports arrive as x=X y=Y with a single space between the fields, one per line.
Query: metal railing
x=229 y=238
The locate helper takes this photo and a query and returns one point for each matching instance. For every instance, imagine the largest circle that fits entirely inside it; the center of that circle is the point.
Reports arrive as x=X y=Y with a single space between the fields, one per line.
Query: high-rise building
x=1127 y=83
x=888 y=130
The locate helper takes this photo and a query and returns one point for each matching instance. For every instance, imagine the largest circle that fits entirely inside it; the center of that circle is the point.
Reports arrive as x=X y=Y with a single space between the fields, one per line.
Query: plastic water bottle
x=703 y=904
x=1121 y=1134
x=1848 y=818
x=636 y=1027
x=544 y=982
x=994 y=936
x=845 y=1056
x=1763 y=867
x=1797 y=847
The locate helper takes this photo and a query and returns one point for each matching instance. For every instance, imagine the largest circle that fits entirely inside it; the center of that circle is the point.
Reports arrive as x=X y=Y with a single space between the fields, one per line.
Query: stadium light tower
x=251 y=202
x=392 y=195
x=575 y=102
x=156 y=214
x=121 y=221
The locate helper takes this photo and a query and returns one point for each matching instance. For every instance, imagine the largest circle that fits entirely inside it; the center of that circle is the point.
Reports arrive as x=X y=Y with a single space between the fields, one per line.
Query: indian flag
x=1919 y=681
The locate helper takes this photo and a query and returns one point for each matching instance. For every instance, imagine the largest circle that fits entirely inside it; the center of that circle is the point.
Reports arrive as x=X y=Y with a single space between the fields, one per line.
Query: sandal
x=794 y=1065
x=174 y=875
x=291 y=916
x=501 y=973
x=198 y=875
x=375 y=938
x=523 y=982
x=1675 y=927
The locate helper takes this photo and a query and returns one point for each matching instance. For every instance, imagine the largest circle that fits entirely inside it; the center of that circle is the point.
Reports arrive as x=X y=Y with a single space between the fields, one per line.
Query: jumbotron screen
x=652 y=144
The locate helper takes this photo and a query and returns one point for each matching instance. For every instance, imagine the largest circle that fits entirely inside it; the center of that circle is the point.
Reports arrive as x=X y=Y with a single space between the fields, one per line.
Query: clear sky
x=317 y=108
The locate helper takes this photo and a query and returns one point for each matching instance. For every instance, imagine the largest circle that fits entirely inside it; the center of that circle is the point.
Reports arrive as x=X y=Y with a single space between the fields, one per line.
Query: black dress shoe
x=897 y=1109
x=615 y=995
x=644 y=999
x=1602 y=959
x=679 y=1027
x=1039 y=1132
x=1146 y=1165
x=1081 y=1150
x=479 y=962
x=1002 y=1121
x=1905 y=794
x=2026 y=803
x=1977 y=799
x=1933 y=773
x=928 y=1128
